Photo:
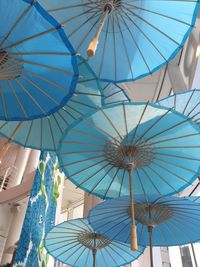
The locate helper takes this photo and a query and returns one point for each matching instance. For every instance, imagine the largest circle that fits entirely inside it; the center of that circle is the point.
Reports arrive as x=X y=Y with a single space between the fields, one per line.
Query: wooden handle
x=92 y=47
x=94 y=43
x=134 y=245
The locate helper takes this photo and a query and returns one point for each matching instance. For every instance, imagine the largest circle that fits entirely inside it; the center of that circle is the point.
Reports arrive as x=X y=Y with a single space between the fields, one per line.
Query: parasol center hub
x=3 y=57
x=151 y=215
x=112 y=5
x=10 y=66
x=93 y=241
x=123 y=154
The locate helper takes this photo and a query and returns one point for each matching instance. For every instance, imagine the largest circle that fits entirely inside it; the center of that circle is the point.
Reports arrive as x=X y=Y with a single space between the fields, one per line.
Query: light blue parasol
x=125 y=39
x=38 y=66
x=45 y=133
x=131 y=148
x=161 y=221
x=75 y=243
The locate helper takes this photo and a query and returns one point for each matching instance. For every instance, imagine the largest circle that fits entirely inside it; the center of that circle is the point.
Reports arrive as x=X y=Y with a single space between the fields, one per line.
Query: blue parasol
x=38 y=68
x=161 y=221
x=131 y=148
x=75 y=243
x=132 y=39
x=45 y=133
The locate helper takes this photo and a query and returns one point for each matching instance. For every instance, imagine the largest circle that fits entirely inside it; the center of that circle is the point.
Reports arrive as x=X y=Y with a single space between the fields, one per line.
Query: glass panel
x=196 y=250
x=175 y=257
x=186 y=256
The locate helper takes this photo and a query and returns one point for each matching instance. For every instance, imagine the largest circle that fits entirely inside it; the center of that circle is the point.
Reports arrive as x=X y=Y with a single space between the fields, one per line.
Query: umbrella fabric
x=89 y=94
x=45 y=133
x=187 y=102
x=72 y=242
x=196 y=199
x=175 y=220
x=38 y=68
x=114 y=93
x=163 y=145
x=138 y=37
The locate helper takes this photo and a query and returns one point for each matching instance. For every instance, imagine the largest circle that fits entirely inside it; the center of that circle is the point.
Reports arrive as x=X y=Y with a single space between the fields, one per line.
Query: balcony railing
x=7 y=179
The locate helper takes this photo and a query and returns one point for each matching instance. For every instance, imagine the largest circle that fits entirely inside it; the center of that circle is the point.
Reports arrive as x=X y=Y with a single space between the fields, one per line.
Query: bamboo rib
x=127 y=12
x=30 y=38
x=18 y=100
x=42 y=66
x=16 y=23
x=134 y=7
x=135 y=43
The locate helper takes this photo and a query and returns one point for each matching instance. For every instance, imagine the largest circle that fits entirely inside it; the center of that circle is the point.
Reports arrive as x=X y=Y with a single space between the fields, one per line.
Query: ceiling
x=71 y=195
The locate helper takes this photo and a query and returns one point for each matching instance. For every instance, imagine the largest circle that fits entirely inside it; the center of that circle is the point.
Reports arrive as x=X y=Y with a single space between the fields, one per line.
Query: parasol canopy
x=187 y=102
x=38 y=68
x=114 y=93
x=125 y=39
x=45 y=133
x=75 y=243
x=161 y=221
x=163 y=145
x=131 y=149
